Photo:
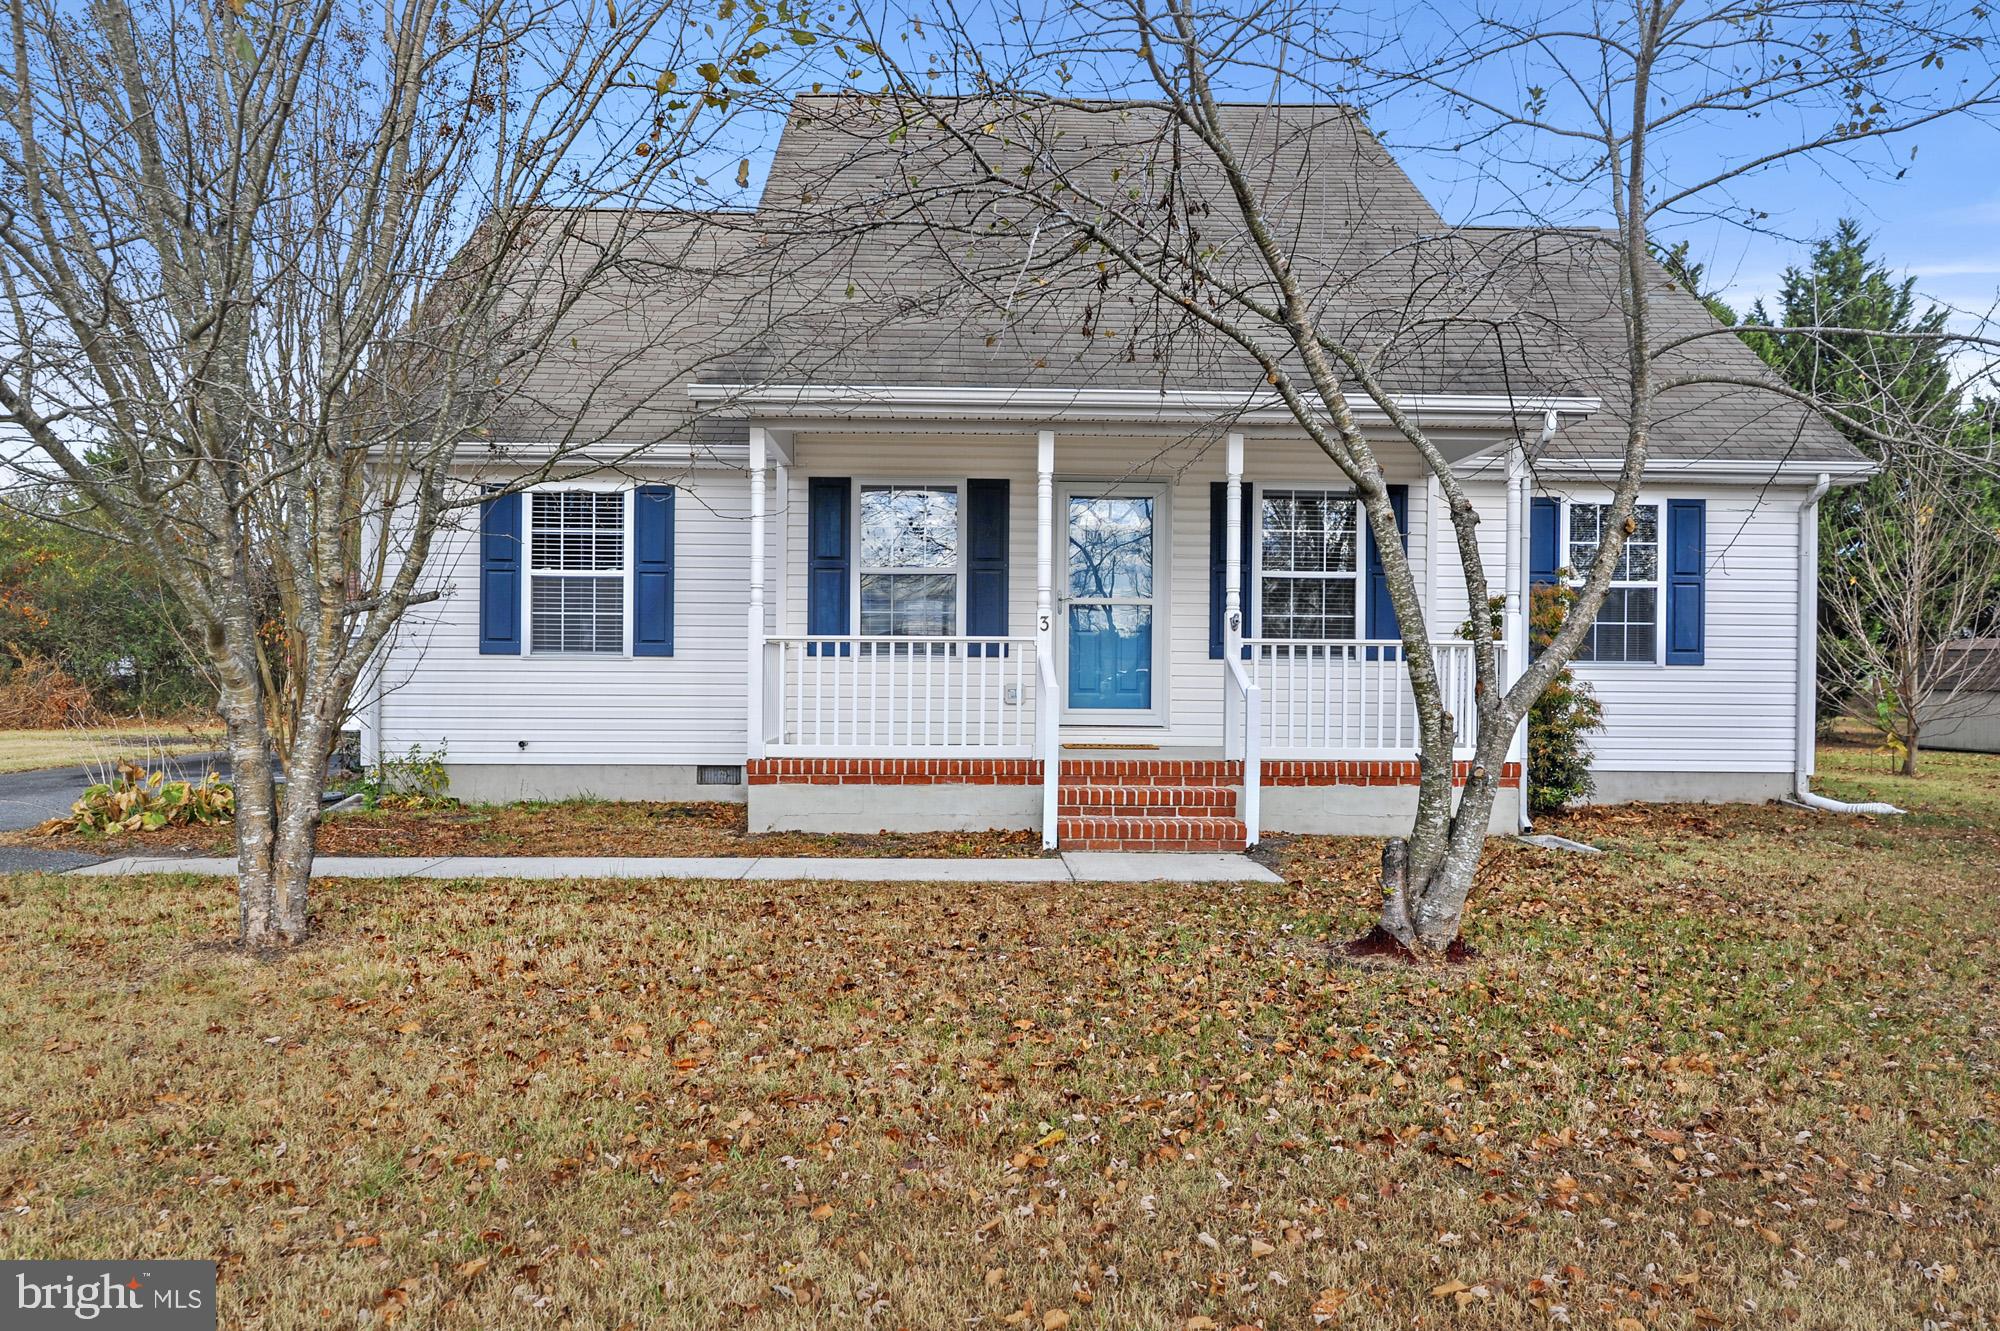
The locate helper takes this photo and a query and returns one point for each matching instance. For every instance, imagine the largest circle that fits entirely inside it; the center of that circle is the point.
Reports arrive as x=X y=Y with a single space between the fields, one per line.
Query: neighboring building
x=1963 y=712
x=851 y=567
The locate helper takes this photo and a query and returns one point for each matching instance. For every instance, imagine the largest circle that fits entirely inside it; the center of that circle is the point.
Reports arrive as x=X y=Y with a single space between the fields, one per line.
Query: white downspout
x=1808 y=662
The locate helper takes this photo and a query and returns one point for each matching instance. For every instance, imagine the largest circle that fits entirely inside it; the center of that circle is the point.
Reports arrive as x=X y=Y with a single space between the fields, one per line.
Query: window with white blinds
x=577 y=571
x=1309 y=560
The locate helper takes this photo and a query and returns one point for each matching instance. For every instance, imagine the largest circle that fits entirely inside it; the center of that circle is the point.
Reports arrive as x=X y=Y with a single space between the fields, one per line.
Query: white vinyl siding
x=1734 y=713
x=588 y=710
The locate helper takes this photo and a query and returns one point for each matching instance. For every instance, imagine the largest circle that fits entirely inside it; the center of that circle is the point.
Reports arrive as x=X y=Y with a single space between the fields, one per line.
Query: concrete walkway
x=1070 y=867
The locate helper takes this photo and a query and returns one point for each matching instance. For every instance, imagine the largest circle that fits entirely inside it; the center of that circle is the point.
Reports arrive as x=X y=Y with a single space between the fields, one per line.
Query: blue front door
x=1109 y=600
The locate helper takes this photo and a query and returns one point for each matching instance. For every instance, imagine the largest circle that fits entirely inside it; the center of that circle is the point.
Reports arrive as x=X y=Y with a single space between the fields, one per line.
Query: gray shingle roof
x=899 y=252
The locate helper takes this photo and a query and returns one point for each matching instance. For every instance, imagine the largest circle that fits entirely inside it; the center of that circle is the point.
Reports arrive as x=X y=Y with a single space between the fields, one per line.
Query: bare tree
x=274 y=271
x=1911 y=576
x=1204 y=216
x=1910 y=559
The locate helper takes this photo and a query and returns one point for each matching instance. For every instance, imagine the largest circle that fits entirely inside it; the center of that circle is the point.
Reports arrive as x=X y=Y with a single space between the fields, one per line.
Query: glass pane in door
x=1111 y=548
x=1109 y=622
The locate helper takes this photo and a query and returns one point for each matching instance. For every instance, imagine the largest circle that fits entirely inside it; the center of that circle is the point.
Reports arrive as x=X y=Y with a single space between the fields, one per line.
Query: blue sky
x=1940 y=222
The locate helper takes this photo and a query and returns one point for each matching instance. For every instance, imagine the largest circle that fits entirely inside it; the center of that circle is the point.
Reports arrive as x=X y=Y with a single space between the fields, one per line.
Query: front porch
x=1206 y=655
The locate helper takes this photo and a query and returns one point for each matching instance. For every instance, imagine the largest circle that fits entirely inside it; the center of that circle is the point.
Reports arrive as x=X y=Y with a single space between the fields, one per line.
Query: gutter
x=966 y=402
x=1808 y=661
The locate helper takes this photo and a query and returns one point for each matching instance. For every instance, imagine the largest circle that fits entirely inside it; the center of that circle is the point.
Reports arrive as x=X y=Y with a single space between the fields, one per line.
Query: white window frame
x=1253 y=615
x=1658 y=582
x=528 y=573
x=958 y=571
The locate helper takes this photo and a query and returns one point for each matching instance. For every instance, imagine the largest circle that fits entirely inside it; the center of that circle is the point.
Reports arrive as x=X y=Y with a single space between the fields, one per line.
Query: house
x=1963 y=709
x=954 y=525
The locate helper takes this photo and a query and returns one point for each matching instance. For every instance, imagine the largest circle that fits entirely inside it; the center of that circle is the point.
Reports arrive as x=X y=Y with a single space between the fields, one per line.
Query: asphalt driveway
x=27 y=798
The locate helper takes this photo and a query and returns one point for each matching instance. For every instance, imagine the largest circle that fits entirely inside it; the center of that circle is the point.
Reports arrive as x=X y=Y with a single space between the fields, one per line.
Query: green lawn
x=1738 y=1072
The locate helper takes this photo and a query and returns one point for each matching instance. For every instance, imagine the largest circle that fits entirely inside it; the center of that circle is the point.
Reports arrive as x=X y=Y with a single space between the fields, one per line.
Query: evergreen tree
x=1693 y=278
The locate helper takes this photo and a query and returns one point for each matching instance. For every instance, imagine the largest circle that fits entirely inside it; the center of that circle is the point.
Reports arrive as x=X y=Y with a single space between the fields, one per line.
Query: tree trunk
x=1424 y=911
x=1396 y=892
x=297 y=827
x=1910 y=744
x=256 y=814
x=1439 y=911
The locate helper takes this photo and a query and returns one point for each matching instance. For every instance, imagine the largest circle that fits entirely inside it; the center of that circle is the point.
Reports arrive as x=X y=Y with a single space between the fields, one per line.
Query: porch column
x=1047 y=704
x=1232 y=587
x=1232 y=551
x=754 y=666
x=1045 y=540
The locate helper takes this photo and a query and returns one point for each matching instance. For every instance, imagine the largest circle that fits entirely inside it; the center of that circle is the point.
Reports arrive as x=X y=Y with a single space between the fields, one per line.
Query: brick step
x=1131 y=772
x=1153 y=801
x=1182 y=835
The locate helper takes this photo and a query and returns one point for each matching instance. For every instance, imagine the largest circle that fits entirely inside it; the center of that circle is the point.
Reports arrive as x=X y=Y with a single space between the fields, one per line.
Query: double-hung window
x=1627 y=630
x=1310 y=565
x=908 y=569
x=577 y=571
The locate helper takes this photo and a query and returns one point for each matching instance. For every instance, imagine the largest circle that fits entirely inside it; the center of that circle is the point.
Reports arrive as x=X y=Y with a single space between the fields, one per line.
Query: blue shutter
x=1544 y=545
x=1381 y=610
x=829 y=547
x=1687 y=559
x=500 y=576
x=653 y=571
x=1218 y=564
x=986 y=513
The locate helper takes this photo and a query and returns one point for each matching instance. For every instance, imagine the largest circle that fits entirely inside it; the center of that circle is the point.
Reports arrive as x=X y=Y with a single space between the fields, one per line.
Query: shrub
x=136 y=799
x=38 y=694
x=1558 y=758
x=96 y=607
x=418 y=780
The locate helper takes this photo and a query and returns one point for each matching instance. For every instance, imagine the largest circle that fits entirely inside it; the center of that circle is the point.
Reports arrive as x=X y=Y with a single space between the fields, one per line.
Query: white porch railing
x=1352 y=699
x=901 y=697
x=1243 y=737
